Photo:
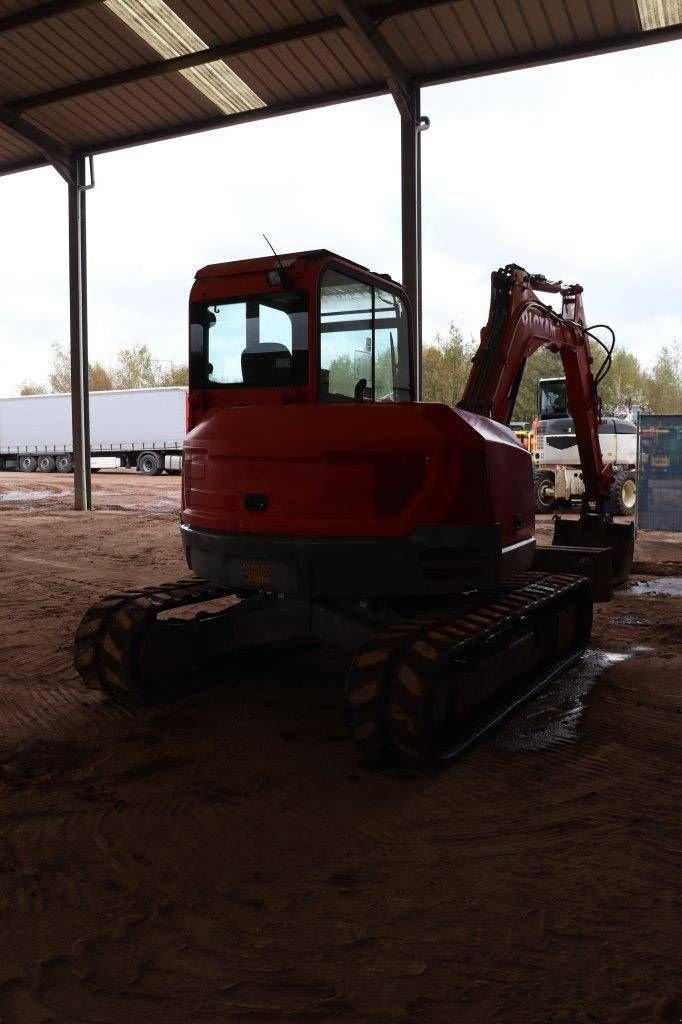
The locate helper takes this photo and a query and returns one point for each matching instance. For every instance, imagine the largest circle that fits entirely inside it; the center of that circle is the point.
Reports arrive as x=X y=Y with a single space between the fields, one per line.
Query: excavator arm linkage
x=519 y=324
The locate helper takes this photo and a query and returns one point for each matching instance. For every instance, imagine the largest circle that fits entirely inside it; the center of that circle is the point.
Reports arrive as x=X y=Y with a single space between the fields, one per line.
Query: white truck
x=142 y=429
x=557 y=472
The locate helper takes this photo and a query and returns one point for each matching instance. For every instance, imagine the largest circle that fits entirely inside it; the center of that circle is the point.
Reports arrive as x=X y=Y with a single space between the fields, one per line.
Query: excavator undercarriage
x=423 y=685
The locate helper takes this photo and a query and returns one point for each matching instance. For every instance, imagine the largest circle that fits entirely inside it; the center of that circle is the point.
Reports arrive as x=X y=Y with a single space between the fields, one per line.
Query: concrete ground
x=226 y=857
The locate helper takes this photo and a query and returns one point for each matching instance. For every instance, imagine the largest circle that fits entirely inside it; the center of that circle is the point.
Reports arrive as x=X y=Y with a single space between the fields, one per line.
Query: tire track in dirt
x=227 y=857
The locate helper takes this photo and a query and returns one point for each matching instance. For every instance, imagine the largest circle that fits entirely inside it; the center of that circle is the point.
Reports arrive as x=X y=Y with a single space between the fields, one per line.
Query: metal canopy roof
x=85 y=76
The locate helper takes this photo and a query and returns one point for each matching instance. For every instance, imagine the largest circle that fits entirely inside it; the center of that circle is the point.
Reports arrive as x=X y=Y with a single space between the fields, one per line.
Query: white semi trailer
x=143 y=429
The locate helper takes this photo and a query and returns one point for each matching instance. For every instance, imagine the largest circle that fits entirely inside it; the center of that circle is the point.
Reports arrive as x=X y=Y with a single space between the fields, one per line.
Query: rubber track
x=106 y=639
x=388 y=682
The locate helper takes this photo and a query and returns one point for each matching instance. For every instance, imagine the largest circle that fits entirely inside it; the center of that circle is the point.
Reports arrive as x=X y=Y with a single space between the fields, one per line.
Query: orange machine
x=321 y=499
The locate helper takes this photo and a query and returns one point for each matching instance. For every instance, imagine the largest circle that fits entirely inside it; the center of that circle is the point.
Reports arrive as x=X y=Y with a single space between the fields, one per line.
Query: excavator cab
x=314 y=325
x=308 y=456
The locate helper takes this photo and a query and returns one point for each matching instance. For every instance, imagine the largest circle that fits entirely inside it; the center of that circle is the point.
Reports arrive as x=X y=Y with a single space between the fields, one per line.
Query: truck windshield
x=255 y=342
x=364 y=342
x=552 y=399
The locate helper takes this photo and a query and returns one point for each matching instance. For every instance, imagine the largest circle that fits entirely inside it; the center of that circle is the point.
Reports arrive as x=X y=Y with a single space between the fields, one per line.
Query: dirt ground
x=226 y=857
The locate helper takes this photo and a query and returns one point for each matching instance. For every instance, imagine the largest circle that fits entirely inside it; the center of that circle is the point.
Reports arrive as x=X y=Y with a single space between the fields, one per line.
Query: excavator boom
x=518 y=325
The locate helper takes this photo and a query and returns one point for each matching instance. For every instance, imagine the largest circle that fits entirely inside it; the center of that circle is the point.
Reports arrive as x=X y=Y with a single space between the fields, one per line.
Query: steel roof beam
x=41 y=12
x=380 y=88
x=377 y=13
x=58 y=155
x=372 y=89
x=368 y=34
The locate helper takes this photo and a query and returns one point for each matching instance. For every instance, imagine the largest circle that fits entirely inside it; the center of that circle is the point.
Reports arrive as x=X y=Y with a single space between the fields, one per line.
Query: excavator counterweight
x=320 y=499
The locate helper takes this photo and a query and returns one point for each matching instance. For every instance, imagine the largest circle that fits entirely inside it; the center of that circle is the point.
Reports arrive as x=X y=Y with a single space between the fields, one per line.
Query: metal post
x=80 y=407
x=410 y=159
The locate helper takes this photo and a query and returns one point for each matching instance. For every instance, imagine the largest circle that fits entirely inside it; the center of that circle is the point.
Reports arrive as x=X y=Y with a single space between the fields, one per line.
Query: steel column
x=78 y=305
x=411 y=219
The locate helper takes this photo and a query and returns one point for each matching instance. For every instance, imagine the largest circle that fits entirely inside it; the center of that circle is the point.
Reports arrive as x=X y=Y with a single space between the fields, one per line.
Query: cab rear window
x=255 y=342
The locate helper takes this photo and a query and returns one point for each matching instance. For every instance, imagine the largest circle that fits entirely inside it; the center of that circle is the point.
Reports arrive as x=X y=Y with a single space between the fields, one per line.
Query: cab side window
x=364 y=342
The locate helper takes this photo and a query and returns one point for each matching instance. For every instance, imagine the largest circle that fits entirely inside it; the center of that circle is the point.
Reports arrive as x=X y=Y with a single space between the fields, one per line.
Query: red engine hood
x=336 y=470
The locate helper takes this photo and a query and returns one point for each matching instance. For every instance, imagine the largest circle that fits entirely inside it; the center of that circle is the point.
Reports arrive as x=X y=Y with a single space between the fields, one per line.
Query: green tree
x=99 y=378
x=135 y=368
x=624 y=384
x=446 y=366
x=542 y=363
x=177 y=375
x=341 y=375
x=27 y=387
x=664 y=384
x=60 y=374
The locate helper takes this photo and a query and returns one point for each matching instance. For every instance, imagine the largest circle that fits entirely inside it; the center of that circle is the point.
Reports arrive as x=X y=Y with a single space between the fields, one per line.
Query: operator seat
x=267 y=364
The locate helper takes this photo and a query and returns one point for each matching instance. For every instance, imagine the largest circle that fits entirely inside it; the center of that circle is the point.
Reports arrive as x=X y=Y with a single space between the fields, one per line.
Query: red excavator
x=320 y=499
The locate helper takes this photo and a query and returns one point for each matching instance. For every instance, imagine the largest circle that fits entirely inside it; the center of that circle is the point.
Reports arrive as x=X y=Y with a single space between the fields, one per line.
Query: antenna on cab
x=284 y=278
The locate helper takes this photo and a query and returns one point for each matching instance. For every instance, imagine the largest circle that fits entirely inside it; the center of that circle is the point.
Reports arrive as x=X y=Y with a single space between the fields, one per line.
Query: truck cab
x=558 y=474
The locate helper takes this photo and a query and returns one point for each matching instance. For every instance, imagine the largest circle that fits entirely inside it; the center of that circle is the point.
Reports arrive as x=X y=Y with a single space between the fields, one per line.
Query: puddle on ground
x=554 y=716
x=30 y=495
x=629 y=620
x=664 y=586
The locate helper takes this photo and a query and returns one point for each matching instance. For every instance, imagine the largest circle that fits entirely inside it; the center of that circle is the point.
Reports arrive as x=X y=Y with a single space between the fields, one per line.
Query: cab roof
x=272 y=263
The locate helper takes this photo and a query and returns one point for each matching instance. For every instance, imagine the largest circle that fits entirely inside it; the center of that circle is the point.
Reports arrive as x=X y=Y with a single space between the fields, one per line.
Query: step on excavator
x=321 y=500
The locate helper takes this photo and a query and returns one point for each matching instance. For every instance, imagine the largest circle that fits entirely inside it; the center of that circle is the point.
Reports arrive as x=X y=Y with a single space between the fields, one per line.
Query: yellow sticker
x=258 y=574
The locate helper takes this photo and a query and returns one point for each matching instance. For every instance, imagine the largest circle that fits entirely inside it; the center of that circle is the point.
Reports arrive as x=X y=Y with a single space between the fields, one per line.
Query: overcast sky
x=573 y=171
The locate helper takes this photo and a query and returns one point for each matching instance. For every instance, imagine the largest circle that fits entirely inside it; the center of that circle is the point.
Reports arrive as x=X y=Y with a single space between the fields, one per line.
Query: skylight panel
x=659 y=13
x=170 y=36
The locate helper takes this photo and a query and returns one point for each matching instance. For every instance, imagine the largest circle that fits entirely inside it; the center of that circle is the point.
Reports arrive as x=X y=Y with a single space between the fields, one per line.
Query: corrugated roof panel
x=407 y=39
x=494 y=19
x=456 y=32
x=158 y=102
x=360 y=65
x=558 y=16
x=435 y=41
x=335 y=53
x=476 y=31
x=307 y=66
x=626 y=15
x=444 y=39
x=224 y=20
x=518 y=24
x=582 y=19
x=12 y=6
x=13 y=149
x=73 y=48
x=602 y=17
x=541 y=27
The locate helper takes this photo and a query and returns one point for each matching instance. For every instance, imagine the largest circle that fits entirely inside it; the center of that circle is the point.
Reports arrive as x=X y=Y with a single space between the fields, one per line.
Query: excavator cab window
x=255 y=342
x=364 y=342
x=552 y=401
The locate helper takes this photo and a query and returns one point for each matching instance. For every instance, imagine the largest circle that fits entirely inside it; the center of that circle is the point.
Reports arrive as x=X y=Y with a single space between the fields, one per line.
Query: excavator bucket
x=591 y=531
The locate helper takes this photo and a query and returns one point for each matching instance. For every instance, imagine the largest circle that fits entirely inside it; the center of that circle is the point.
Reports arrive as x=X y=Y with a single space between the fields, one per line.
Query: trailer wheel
x=624 y=493
x=28 y=463
x=46 y=464
x=543 y=492
x=64 y=464
x=149 y=464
